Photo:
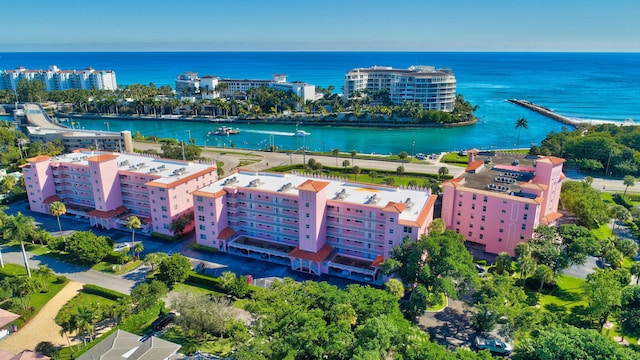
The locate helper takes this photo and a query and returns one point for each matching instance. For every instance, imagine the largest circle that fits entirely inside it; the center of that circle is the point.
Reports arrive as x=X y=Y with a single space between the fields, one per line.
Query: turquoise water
x=581 y=85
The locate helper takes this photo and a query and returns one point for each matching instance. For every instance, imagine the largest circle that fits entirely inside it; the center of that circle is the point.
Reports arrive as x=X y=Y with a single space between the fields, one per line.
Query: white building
x=434 y=88
x=207 y=86
x=56 y=79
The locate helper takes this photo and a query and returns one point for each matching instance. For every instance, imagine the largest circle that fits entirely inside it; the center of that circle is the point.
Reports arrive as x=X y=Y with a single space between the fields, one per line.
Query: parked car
x=494 y=345
x=163 y=321
x=602 y=263
x=481 y=269
x=121 y=247
x=420 y=156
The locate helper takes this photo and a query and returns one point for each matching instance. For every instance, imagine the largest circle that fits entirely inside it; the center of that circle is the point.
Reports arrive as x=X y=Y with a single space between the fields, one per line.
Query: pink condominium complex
x=500 y=200
x=317 y=226
x=108 y=187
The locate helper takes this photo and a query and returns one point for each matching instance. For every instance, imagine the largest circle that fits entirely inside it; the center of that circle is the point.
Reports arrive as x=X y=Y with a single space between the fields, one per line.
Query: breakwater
x=546 y=112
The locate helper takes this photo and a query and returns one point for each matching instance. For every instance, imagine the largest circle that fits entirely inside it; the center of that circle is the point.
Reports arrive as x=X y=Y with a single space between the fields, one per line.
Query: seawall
x=546 y=112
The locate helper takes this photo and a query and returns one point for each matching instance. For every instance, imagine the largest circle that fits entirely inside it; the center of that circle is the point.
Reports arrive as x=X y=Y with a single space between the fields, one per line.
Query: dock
x=546 y=112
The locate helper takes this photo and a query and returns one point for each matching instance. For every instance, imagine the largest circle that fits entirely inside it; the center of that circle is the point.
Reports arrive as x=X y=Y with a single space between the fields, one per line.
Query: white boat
x=226 y=131
x=302 y=133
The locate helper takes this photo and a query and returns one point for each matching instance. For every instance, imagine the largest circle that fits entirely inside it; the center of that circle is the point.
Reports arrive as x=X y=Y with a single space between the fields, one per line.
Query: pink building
x=107 y=187
x=317 y=226
x=500 y=200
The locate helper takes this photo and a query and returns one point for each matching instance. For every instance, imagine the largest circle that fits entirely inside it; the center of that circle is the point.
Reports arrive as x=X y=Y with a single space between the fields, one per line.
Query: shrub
x=622 y=200
x=105 y=293
x=118 y=257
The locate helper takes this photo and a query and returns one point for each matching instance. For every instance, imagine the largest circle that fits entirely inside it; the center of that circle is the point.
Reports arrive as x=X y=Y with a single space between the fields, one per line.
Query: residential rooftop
x=408 y=202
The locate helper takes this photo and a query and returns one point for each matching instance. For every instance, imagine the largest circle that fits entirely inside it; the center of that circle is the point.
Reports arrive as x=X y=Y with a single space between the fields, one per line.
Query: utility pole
x=184 y=157
x=606 y=171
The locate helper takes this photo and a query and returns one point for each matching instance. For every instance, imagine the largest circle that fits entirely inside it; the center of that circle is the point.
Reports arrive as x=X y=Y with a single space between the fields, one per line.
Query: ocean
x=590 y=86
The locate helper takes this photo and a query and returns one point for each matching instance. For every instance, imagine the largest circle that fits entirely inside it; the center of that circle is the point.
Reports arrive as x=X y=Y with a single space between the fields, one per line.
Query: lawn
x=603 y=232
x=567 y=295
x=437 y=304
x=455 y=159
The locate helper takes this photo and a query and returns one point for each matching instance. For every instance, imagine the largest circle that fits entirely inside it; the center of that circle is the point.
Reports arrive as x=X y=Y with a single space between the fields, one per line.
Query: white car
x=121 y=247
x=494 y=345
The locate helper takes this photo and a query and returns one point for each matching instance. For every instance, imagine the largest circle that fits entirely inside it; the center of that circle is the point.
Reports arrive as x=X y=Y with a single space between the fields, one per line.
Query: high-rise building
x=434 y=89
x=56 y=79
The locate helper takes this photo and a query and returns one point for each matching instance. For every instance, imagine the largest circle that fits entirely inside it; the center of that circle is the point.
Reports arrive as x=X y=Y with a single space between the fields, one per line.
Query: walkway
x=42 y=327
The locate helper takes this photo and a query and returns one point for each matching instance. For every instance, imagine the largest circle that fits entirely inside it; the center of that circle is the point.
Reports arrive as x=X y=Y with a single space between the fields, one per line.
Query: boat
x=224 y=130
x=302 y=133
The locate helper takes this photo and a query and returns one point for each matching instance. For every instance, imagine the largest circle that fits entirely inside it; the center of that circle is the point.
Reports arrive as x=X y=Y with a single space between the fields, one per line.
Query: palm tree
x=635 y=271
x=356 y=172
x=58 y=209
x=19 y=227
x=403 y=156
x=520 y=124
x=443 y=171
x=133 y=223
x=353 y=156
x=137 y=249
x=628 y=181
x=373 y=175
x=346 y=164
x=335 y=153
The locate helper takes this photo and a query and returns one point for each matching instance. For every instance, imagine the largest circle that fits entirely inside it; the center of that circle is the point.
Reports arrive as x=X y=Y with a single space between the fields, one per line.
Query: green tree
x=58 y=209
x=395 y=287
x=603 y=290
x=403 y=156
x=174 y=269
x=335 y=153
x=87 y=247
x=145 y=295
x=19 y=227
x=544 y=275
x=629 y=317
x=356 y=172
x=568 y=342
x=179 y=225
x=503 y=263
x=373 y=175
x=353 y=156
x=400 y=170
x=202 y=314
x=443 y=171
x=154 y=259
x=137 y=249
x=346 y=164
x=133 y=223
x=627 y=181
x=520 y=124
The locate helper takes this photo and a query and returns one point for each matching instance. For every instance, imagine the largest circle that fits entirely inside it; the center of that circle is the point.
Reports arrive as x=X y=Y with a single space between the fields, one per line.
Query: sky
x=321 y=25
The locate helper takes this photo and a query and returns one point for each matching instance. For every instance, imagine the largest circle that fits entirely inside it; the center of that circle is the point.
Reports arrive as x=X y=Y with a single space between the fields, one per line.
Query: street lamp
x=107 y=123
x=205 y=143
x=189 y=132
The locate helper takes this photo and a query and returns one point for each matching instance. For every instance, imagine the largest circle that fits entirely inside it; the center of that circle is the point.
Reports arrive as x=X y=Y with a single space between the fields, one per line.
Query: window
x=470 y=233
x=501 y=221
x=390 y=231
x=200 y=208
x=306 y=215
x=472 y=216
x=458 y=222
x=201 y=227
x=483 y=218
x=482 y=227
x=200 y=217
x=163 y=208
x=501 y=230
x=471 y=225
x=391 y=219
x=307 y=226
x=485 y=198
x=504 y=211
x=524 y=227
x=481 y=236
x=524 y=217
x=213 y=223
x=521 y=237
x=504 y=201
x=306 y=204
x=499 y=239
x=408 y=229
x=526 y=206
x=473 y=197
x=199 y=198
x=484 y=209
x=459 y=203
x=473 y=206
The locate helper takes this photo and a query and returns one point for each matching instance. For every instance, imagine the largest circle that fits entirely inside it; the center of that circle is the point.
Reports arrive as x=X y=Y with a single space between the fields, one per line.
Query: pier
x=546 y=112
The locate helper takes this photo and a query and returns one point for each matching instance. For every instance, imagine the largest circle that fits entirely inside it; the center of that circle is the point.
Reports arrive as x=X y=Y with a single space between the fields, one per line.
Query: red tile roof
x=39 y=158
x=552 y=160
x=313 y=185
x=395 y=207
x=550 y=218
x=51 y=199
x=108 y=214
x=474 y=166
x=226 y=233
x=378 y=260
x=312 y=256
x=102 y=158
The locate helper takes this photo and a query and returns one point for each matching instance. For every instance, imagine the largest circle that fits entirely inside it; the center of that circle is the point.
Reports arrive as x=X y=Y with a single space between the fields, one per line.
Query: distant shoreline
x=285 y=120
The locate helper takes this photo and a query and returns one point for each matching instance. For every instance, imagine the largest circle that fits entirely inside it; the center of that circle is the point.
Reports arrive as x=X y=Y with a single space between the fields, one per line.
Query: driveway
x=450 y=327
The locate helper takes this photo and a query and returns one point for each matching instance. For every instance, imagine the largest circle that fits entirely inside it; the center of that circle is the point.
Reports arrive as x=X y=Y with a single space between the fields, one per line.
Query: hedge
x=622 y=200
x=105 y=293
